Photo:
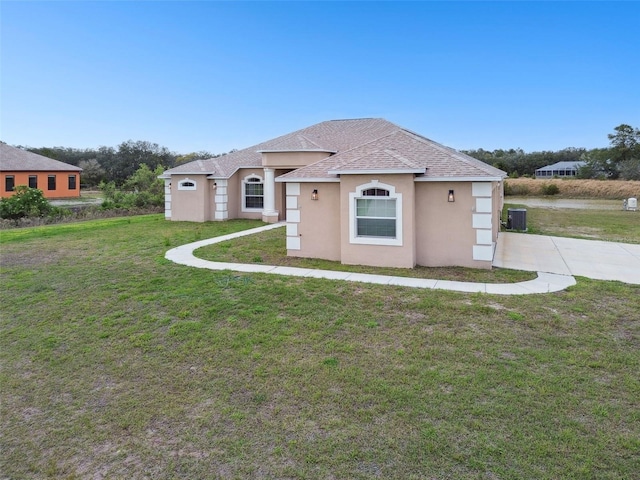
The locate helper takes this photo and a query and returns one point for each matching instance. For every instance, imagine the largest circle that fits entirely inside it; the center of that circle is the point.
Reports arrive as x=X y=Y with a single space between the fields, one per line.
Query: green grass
x=116 y=363
x=607 y=225
x=269 y=248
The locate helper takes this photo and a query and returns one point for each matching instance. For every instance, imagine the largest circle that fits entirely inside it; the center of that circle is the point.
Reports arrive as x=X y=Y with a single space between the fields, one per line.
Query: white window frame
x=357 y=195
x=182 y=184
x=247 y=180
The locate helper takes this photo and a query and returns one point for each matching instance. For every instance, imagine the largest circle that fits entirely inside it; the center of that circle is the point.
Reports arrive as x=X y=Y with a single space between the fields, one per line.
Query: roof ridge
x=310 y=141
x=397 y=156
x=452 y=151
x=353 y=119
x=367 y=143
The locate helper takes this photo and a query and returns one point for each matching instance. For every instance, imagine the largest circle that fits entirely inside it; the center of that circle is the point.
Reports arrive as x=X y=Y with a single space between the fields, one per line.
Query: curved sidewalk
x=544 y=283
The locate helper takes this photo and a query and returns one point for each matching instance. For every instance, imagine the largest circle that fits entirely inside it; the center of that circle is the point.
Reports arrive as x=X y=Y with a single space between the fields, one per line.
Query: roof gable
x=14 y=159
x=402 y=151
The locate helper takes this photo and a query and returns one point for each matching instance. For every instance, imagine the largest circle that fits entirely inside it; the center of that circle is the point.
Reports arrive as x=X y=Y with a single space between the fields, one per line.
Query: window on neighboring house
x=253 y=193
x=33 y=181
x=72 y=182
x=375 y=215
x=186 y=184
x=51 y=182
x=9 y=183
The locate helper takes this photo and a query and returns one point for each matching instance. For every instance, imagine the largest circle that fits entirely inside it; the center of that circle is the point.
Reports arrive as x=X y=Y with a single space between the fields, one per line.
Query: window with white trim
x=252 y=193
x=186 y=184
x=375 y=212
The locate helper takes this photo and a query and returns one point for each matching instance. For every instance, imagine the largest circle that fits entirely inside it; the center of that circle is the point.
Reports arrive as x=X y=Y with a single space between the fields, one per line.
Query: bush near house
x=27 y=202
x=142 y=193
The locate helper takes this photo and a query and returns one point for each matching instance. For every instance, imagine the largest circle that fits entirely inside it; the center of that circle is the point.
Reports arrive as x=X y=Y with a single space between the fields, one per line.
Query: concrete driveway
x=569 y=256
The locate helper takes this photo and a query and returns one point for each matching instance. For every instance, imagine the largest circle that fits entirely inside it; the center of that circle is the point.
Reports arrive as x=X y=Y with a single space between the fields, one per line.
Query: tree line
x=108 y=164
x=620 y=160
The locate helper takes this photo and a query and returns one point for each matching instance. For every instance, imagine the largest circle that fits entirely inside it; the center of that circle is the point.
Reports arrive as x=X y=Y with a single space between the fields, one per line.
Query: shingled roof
x=353 y=146
x=14 y=159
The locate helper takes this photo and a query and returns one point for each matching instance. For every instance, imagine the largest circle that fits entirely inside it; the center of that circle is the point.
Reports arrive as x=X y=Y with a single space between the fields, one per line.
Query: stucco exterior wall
x=291 y=159
x=313 y=226
x=62 y=189
x=235 y=193
x=403 y=256
x=281 y=195
x=498 y=203
x=191 y=205
x=444 y=234
x=233 y=197
x=460 y=233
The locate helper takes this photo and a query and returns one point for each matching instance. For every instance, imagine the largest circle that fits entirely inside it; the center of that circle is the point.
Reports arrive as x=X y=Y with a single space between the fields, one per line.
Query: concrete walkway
x=569 y=256
x=544 y=283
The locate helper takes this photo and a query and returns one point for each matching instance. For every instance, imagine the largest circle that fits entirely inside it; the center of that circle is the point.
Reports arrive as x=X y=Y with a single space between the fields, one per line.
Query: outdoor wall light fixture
x=451 y=198
x=314 y=195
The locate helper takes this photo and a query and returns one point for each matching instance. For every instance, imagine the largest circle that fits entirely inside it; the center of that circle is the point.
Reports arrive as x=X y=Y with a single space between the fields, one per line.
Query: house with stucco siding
x=360 y=191
x=20 y=167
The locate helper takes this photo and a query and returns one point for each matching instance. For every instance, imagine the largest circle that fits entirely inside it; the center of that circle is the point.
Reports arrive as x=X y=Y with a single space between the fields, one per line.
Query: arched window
x=186 y=184
x=375 y=212
x=252 y=193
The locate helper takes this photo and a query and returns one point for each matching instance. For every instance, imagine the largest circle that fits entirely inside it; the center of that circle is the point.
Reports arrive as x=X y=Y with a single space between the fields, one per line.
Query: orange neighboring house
x=20 y=167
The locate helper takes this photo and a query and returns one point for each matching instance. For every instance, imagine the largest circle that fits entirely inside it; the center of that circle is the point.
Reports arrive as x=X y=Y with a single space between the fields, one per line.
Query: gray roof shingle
x=14 y=159
x=366 y=144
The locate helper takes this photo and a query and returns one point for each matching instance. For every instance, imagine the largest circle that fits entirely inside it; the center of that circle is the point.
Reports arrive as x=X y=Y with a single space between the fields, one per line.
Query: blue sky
x=220 y=75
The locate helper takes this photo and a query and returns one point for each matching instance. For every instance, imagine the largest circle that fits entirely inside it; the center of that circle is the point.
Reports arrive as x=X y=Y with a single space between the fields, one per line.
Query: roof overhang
x=298 y=151
x=188 y=173
x=392 y=171
x=459 y=179
x=308 y=180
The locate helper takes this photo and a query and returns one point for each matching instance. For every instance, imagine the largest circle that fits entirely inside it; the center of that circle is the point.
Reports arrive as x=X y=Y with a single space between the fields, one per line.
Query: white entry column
x=269 y=212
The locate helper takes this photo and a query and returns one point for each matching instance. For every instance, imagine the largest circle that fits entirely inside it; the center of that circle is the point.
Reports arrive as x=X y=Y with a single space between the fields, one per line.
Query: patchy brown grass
x=116 y=363
x=575 y=188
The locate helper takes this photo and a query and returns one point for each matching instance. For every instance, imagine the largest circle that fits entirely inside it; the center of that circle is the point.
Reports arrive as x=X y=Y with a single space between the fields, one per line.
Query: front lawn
x=115 y=363
x=607 y=225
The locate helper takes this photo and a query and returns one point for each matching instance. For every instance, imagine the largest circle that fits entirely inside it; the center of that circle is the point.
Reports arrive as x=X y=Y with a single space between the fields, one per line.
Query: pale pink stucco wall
x=444 y=232
x=435 y=232
x=403 y=256
x=319 y=227
x=192 y=205
x=498 y=203
x=235 y=192
x=291 y=159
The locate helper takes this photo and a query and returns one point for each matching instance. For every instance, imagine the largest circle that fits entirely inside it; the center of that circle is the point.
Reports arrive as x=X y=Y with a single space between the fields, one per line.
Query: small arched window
x=375 y=192
x=186 y=184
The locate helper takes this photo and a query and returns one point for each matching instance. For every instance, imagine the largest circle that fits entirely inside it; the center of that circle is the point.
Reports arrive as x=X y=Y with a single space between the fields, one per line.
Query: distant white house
x=560 y=169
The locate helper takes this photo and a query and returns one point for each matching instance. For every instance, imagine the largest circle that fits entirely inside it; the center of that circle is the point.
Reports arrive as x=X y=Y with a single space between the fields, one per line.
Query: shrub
x=143 y=189
x=26 y=202
x=550 y=189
